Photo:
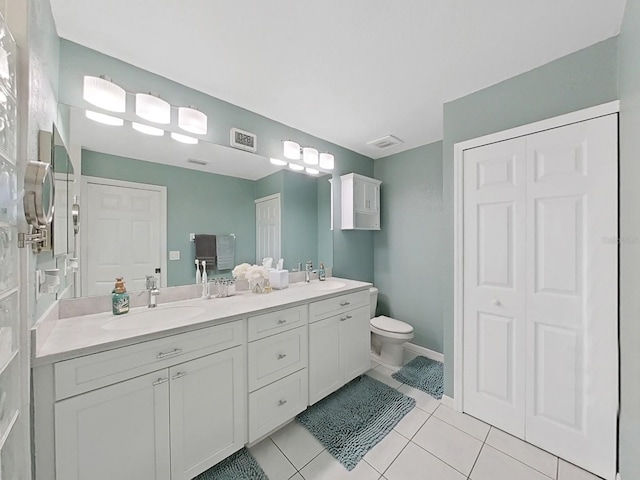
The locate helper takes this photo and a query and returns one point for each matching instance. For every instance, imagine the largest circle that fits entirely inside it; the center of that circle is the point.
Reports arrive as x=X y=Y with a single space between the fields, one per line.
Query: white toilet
x=388 y=335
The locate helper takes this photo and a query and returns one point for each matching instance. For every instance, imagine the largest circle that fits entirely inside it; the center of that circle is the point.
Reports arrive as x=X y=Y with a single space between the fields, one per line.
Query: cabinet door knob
x=349 y=317
x=160 y=381
x=342 y=319
x=281 y=402
x=281 y=321
x=496 y=302
x=178 y=375
x=281 y=356
x=175 y=351
x=344 y=304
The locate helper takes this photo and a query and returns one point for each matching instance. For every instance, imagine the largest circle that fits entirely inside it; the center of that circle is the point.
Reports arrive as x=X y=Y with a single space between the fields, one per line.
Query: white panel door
x=208 y=412
x=494 y=276
x=120 y=431
x=268 y=228
x=572 y=354
x=122 y=235
x=355 y=343
x=324 y=358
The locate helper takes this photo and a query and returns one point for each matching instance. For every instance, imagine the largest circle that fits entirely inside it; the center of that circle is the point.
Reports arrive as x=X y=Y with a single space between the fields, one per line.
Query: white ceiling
x=345 y=71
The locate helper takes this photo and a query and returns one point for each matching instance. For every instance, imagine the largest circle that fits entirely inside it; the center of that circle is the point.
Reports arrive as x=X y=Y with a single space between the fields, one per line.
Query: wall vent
x=385 y=142
x=198 y=161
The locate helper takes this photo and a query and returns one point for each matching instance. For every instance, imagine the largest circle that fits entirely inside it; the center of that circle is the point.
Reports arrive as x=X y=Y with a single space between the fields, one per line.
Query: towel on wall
x=226 y=251
x=206 y=249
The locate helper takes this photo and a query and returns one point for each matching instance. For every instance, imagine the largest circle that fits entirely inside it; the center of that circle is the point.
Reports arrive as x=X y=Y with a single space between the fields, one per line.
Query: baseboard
x=447 y=401
x=618 y=476
x=412 y=348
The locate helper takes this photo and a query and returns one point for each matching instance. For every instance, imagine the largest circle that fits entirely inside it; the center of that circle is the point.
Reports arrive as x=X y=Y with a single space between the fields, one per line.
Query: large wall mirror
x=133 y=187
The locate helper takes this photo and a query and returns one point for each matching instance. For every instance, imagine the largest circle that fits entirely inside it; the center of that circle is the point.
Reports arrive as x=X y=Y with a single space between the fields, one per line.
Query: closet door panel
x=572 y=293
x=494 y=328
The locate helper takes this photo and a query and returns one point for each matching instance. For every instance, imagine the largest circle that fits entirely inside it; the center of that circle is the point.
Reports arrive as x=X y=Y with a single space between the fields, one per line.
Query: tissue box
x=279 y=279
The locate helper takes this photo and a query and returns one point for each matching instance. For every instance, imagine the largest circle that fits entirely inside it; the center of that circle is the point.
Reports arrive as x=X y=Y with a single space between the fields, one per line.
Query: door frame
x=84 y=217
x=266 y=199
x=458 y=219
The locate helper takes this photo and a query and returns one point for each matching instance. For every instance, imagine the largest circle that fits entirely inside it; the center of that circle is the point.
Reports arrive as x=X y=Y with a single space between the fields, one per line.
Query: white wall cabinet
x=360 y=202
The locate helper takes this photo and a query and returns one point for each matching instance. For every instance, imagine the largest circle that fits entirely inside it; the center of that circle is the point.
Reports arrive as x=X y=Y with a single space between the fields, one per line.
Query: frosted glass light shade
x=178 y=137
x=310 y=156
x=105 y=94
x=192 y=120
x=296 y=167
x=277 y=161
x=149 y=130
x=153 y=108
x=327 y=161
x=105 y=119
x=312 y=171
x=291 y=150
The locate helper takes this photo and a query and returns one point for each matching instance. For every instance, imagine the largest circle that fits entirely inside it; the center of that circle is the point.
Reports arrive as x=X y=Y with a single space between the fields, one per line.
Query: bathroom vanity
x=166 y=393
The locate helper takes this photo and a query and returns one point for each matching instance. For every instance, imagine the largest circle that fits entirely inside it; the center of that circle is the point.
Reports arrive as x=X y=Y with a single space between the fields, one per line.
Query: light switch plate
x=174 y=255
x=192 y=237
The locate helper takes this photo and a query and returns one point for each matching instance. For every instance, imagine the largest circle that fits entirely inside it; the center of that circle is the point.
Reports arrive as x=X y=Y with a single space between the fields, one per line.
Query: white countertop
x=87 y=334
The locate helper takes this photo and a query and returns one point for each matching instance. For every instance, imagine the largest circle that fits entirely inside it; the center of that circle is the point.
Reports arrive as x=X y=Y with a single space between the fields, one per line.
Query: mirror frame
x=38 y=213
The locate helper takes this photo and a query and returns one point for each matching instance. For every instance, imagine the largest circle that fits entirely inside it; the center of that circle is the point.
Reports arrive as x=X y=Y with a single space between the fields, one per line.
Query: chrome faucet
x=307 y=271
x=152 y=291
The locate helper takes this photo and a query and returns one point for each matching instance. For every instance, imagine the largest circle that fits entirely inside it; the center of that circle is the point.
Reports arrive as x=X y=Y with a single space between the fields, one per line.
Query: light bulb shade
x=105 y=94
x=291 y=150
x=310 y=156
x=277 y=161
x=153 y=108
x=149 y=130
x=296 y=167
x=178 y=137
x=326 y=161
x=105 y=119
x=312 y=171
x=192 y=120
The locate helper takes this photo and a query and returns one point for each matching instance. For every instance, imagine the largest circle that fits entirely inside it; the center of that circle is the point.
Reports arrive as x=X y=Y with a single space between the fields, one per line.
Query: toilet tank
x=374 y=301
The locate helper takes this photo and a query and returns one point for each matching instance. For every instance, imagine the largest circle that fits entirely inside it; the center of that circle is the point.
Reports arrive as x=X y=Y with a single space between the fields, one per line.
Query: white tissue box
x=279 y=279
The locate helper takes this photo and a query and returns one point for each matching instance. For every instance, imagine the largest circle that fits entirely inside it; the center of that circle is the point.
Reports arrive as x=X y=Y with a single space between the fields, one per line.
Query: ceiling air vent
x=198 y=161
x=385 y=142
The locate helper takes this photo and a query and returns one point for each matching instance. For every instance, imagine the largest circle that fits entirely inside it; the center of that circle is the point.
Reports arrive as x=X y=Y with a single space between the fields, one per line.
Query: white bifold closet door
x=541 y=289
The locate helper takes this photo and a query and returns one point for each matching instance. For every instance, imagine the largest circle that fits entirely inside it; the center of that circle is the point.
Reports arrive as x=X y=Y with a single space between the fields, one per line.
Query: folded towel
x=206 y=250
x=226 y=251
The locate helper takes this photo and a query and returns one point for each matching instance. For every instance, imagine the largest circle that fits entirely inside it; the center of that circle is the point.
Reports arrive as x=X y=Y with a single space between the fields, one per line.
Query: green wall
x=353 y=251
x=580 y=80
x=197 y=202
x=407 y=251
x=299 y=219
x=629 y=90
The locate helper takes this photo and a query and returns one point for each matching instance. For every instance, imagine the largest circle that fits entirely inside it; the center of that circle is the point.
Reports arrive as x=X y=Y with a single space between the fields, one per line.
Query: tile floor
x=431 y=442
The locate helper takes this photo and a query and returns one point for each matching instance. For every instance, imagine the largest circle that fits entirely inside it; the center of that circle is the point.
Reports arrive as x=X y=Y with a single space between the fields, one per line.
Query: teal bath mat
x=239 y=466
x=351 y=421
x=424 y=374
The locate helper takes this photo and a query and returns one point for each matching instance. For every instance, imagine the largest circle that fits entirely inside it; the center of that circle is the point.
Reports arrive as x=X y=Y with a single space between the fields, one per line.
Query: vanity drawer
x=87 y=373
x=332 y=306
x=262 y=326
x=277 y=403
x=274 y=357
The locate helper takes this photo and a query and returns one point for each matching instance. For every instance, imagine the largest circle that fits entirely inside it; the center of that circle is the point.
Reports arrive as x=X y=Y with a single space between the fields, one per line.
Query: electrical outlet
x=174 y=255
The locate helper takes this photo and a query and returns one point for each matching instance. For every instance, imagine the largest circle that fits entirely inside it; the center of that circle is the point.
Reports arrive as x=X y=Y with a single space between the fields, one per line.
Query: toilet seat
x=391 y=325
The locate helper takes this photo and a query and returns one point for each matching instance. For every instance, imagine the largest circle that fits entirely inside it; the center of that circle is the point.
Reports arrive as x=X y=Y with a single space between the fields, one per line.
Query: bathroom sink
x=160 y=316
x=328 y=285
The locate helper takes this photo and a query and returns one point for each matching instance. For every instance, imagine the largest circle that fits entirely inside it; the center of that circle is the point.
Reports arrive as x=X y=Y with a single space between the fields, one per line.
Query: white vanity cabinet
x=339 y=348
x=360 y=202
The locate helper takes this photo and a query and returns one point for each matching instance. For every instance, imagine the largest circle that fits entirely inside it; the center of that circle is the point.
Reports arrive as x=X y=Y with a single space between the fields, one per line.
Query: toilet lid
x=391 y=325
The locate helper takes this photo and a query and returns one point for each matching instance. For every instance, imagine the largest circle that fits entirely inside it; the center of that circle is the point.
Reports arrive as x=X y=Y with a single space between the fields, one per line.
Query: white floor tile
x=414 y=463
x=568 y=471
x=384 y=375
x=464 y=422
x=411 y=423
x=272 y=460
x=536 y=458
x=449 y=444
x=298 y=445
x=495 y=465
x=297 y=476
x=385 y=452
x=424 y=401
x=325 y=467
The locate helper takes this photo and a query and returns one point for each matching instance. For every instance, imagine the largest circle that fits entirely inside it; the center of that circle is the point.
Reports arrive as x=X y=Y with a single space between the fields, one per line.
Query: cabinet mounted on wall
x=360 y=202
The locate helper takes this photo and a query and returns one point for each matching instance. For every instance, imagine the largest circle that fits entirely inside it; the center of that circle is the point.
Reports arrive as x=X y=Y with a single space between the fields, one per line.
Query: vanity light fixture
x=153 y=108
x=192 y=120
x=103 y=93
x=149 y=130
x=312 y=171
x=309 y=155
x=296 y=167
x=277 y=161
x=184 y=138
x=102 y=118
x=327 y=161
x=291 y=150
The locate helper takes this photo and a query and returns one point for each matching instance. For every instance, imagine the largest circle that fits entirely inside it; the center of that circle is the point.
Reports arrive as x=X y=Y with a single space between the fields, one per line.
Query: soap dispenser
x=119 y=298
x=322 y=276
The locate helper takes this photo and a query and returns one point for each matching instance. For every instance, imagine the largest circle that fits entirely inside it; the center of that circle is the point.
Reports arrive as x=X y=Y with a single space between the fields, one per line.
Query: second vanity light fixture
x=103 y=93
x=309 y=155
